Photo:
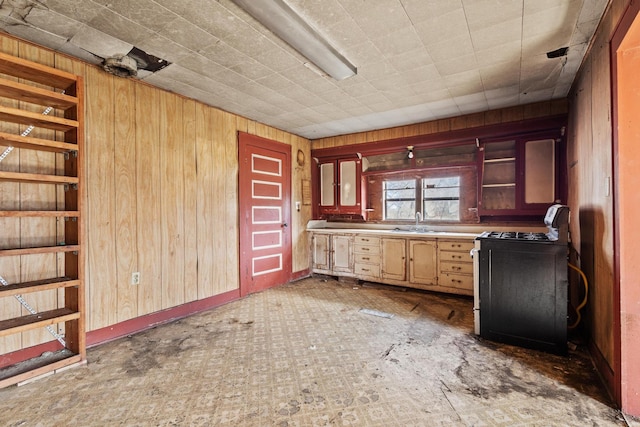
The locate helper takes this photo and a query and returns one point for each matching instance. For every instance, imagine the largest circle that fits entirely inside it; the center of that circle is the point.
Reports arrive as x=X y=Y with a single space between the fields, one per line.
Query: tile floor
x=304 y=354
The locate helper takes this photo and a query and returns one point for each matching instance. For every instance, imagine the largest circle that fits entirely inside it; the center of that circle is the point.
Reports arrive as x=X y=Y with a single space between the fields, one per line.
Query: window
x=441 y=198
x=437 y=198
x=399 y=197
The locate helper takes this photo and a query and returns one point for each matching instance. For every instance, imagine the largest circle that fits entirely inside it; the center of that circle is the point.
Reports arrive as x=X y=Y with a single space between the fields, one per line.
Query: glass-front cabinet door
x=519 y=176
x=540 y=172
x=348 y=183
x=339 y=191
x=327 y=185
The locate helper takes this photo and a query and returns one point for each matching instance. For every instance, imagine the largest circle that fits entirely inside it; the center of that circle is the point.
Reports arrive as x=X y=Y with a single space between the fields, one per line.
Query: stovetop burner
x=516 y=235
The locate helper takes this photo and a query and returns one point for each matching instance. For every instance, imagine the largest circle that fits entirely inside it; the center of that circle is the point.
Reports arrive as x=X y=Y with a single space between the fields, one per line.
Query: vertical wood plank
x=190 y=201
x=230 y=138
x=148 y=174
x=100 y=212
x=125 y=198
x=219 y=200
x=171 y=200
x=206 y=208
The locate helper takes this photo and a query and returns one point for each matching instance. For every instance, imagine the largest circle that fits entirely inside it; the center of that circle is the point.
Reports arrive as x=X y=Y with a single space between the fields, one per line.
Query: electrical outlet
x=135 y=278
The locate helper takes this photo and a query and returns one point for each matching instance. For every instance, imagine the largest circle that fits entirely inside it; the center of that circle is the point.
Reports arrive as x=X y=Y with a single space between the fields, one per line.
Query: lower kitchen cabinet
x=455 y=266
x=367 y=257
x=394 y=254
x=342 y=253
x=423 y=262
x=332 y=253
x=435 y=264
x=320 y=251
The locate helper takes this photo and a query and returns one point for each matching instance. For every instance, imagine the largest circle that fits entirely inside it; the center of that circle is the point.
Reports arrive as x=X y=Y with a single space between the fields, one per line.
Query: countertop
x=397 y=233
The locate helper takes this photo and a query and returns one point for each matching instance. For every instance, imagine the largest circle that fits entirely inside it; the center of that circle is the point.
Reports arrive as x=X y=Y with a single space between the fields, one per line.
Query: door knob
x=285 y=225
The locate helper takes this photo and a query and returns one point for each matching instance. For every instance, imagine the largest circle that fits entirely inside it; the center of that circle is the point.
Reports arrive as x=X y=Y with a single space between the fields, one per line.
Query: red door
x=265 y=213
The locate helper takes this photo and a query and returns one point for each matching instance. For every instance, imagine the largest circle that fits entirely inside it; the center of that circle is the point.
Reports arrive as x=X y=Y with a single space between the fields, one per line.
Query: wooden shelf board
x=39 y=250
x=37 y=178
x=37 y=286
x=18 y=141
x=38 y=73
x=39 y=366
x=510 y=184
x=500 y=160
x=39 y=214
x=15 y=115
x=35 y=95
x=39 y=320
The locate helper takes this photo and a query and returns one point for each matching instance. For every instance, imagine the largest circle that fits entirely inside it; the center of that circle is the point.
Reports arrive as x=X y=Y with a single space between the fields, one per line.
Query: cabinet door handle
x=366 y=258
x=365 y=249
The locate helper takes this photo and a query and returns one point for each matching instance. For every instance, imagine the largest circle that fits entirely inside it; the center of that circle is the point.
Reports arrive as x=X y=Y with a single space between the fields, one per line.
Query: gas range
x=556 y=220
x=515 y=235
x=520 y=284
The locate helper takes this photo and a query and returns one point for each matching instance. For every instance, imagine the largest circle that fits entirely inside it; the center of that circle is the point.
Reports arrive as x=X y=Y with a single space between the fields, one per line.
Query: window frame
x=419 y=200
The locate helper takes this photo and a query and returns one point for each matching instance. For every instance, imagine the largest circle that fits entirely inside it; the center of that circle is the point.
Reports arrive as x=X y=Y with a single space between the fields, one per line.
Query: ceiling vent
x=121 y=66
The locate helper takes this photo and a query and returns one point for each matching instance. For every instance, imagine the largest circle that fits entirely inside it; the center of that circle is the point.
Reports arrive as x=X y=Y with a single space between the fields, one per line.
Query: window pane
x=399 y=199
x=441 y=198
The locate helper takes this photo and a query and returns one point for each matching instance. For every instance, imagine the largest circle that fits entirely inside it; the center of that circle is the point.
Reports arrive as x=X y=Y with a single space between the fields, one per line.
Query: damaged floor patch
x=376 y=313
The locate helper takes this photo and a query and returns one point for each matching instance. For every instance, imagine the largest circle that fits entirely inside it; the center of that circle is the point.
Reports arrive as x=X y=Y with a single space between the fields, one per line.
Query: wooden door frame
x=625 y=347
x=245 y=140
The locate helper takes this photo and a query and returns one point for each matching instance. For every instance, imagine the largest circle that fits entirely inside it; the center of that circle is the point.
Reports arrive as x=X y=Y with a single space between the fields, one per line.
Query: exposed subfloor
x=304 y=354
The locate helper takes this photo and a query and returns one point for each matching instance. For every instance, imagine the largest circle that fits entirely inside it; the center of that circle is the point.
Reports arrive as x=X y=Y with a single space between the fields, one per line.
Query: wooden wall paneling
x=10 y=227
x=148 y=176
x=301 y=247
x=38 y=231
x=125 y=198
x=100 y=213
x=219 y=201
x=245 y=125
x=602 y=172
x=230 y=138
x=206 y=221
x=190 y=201
x=172 y=200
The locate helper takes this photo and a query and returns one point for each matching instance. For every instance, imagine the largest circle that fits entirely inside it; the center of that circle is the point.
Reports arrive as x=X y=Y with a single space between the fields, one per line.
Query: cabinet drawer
x=456 y=267
x=447 y=245
x=367 y=240
x=370 y=270
x=455 y=256
x=368 y=259
x=456 y=281
x=366 y=249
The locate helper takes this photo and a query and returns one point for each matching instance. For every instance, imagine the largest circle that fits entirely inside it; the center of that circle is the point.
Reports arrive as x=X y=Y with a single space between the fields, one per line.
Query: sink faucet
x=418 y=218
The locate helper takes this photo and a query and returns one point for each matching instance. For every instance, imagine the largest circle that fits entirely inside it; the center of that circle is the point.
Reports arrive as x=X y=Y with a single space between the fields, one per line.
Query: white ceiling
x=417 y=60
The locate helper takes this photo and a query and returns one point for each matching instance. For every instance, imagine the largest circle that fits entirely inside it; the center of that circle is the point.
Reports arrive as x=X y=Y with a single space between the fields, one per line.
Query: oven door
x=475 y=254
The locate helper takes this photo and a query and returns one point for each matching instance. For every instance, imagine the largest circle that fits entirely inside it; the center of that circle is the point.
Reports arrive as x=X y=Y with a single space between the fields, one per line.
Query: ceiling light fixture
x=410 y=151
x=280 y=19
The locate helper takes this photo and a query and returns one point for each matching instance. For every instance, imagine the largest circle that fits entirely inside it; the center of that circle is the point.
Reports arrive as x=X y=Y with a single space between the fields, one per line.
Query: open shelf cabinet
x=42 y=249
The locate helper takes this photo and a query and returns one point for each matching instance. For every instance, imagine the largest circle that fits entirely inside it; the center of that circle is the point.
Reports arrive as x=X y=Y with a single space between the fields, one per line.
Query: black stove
x=520 y=284
x=516 y=235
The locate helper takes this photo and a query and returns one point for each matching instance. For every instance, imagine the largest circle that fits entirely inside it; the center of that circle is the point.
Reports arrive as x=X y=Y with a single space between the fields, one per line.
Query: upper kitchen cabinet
x=338 y=189
x=520 y=176
x=500 y=172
